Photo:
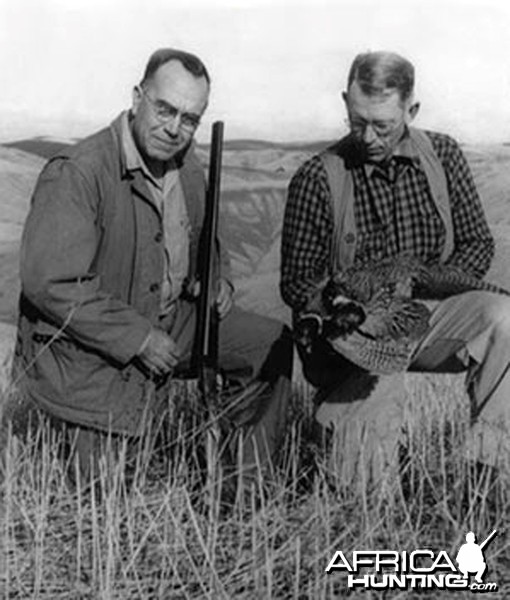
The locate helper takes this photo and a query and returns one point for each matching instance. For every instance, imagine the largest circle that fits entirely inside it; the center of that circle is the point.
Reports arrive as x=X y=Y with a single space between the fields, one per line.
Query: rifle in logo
x=470 y=556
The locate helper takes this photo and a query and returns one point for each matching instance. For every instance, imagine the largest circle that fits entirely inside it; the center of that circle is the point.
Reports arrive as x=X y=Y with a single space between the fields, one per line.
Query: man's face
x=377 y=122
x=167 y=111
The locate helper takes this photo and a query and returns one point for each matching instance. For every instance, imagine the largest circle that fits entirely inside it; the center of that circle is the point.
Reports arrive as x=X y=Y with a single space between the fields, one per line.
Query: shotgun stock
x=207 y=315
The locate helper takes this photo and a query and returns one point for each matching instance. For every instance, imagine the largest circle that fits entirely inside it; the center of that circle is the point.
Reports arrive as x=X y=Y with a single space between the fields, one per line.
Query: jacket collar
x=132 y=158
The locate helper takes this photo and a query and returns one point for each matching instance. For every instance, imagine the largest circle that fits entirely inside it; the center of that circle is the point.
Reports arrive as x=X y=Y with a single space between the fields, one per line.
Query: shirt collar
x=404 y=152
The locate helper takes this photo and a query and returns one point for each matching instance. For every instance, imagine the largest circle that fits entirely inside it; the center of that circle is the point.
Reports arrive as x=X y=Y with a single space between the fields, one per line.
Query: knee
x=277 y=330
x=255 y=325
x=497 y=315
x=282 y=338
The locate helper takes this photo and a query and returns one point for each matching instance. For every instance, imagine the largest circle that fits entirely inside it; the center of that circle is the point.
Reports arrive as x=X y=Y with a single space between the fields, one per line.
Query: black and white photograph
x=254 y=299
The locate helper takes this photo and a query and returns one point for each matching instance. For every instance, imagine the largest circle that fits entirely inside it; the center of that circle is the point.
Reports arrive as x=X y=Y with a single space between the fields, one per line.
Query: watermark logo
x=471 y=561
x=419 y=569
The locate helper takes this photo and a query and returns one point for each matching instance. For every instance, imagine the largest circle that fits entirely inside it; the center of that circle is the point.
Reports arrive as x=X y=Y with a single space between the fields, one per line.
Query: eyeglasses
x=165 y=112
x=382 y=129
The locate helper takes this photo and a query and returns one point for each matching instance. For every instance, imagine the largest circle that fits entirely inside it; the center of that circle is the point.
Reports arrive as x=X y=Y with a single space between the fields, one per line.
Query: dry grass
x=149 y=529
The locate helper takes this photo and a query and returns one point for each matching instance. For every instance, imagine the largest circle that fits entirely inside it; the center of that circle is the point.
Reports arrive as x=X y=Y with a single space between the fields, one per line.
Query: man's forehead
x=388 y=98
x=174 y=74
x=175 y=84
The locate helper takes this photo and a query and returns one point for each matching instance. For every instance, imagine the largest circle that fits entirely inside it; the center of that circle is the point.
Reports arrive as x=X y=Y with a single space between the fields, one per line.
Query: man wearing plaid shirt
x=395 y=210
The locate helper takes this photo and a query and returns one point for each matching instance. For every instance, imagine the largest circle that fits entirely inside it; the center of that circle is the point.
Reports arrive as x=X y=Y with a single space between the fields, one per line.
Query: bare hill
x=18 y=173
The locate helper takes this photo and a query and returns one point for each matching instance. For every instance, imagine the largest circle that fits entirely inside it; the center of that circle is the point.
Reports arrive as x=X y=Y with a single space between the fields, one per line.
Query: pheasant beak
x=340 y=300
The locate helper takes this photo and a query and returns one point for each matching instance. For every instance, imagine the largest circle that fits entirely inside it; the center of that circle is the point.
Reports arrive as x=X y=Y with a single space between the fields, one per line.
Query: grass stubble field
x=150 y=529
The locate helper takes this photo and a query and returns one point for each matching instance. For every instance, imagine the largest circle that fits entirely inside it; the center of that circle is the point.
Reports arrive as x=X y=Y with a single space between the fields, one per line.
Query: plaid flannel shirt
x=394 y=212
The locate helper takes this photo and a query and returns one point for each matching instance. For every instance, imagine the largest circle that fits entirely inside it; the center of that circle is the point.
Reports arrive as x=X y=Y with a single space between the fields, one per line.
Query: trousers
x=472 y=331
x=468 y=332
x=254 y=353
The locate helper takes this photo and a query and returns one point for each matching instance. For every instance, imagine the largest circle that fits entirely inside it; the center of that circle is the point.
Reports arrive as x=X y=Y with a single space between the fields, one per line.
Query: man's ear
x=136 y=99
x=412 y=111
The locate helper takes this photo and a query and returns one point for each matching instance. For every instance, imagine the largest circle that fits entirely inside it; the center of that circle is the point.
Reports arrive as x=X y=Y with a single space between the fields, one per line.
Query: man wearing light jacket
x=108 y=264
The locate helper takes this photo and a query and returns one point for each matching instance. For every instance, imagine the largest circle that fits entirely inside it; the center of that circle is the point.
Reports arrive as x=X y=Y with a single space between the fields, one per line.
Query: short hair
x=382 y=72
x=189 y=61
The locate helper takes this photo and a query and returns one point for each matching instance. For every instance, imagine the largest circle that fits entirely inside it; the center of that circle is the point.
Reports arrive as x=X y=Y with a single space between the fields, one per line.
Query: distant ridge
x=40 y=146
x=46 y=147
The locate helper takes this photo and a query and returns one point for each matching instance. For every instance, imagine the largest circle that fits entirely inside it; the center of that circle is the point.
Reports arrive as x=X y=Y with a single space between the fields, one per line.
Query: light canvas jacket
x=92 y=259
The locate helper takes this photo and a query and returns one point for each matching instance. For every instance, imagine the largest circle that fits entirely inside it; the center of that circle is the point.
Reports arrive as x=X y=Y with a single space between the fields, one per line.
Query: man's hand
x=160 y=353
x=224 y=300
x=224 y=296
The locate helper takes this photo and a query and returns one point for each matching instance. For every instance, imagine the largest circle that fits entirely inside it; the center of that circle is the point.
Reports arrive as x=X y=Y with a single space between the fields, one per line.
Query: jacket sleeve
x=58 y=247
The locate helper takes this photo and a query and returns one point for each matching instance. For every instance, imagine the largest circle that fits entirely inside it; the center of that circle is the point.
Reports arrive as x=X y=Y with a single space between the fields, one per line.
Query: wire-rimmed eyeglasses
x=165 y=112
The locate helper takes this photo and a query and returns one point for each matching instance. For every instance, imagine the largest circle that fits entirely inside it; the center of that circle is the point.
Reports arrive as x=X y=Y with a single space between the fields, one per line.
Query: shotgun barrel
x=488 y=539
x=207 y=316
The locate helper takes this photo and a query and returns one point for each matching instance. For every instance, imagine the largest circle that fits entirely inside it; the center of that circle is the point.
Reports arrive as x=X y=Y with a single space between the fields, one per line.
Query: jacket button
x=349 y=238
x=154 y=287
x=158 y=237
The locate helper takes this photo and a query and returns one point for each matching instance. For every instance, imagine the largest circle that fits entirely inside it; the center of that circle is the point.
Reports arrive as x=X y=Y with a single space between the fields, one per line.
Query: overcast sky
x=278 y=67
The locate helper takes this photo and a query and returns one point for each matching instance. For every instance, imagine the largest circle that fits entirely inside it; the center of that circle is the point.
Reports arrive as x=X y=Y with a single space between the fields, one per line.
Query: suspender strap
x=341 y=185
x=438 y=185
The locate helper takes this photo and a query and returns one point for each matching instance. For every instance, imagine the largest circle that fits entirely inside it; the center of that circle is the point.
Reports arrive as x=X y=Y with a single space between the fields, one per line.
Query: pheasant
x=375 y=315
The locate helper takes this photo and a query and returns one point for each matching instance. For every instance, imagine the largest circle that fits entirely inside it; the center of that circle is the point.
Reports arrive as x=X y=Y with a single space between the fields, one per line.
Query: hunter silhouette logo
x=419 y=569
x=470 y=557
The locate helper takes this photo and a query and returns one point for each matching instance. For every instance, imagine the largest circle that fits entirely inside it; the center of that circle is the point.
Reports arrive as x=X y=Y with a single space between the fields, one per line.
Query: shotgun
x=207 y=315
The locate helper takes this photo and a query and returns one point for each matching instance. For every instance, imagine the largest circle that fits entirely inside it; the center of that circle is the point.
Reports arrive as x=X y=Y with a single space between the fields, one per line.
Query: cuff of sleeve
x=134 y=343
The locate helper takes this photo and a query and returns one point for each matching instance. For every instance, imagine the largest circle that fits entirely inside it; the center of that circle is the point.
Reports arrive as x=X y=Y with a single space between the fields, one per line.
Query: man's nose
x=173 y=125
x=369 y=134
